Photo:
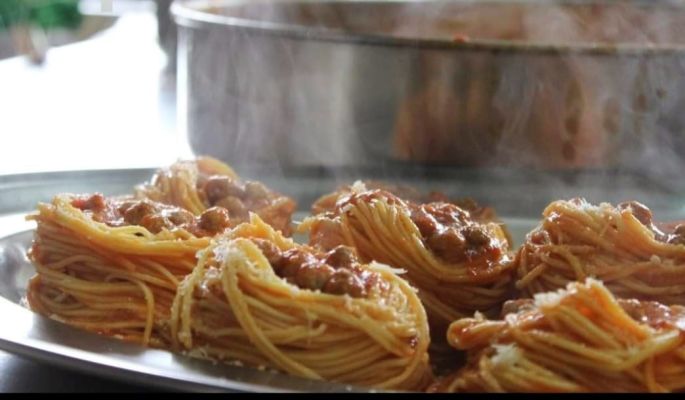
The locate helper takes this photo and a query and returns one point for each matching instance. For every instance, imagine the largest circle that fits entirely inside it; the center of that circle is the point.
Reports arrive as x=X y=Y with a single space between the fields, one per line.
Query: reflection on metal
x=34 y=336
x=40 y=338
x=349 y=83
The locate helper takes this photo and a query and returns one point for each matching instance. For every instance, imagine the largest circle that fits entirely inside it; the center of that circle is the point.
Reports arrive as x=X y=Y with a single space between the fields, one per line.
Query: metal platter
x=28 y=334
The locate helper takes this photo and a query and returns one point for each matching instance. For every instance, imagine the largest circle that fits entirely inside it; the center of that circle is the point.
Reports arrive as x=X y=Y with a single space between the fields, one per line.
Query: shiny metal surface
x=23 y=375
x=33 y=336
x=518 y=201
x=289 y=83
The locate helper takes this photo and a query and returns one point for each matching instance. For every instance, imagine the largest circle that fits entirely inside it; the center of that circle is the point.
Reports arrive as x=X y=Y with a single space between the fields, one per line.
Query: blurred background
x=530 y=100
x=86 y=74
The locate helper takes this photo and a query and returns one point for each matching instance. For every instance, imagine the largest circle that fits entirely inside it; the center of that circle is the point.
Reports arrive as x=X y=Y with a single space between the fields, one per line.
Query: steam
x=543 y=101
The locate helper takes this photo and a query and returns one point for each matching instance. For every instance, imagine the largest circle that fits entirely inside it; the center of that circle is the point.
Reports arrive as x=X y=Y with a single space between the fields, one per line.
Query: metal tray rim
x=190 y=14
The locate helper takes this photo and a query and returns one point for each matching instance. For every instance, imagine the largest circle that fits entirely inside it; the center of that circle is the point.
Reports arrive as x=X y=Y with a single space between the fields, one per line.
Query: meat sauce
x=446 y=229
x=335 y=272
x=676 y=234
x=152 y=215
x=655 y=314
x=238 y=198
x=451 y=234
x=408 y=194
x=649 y=313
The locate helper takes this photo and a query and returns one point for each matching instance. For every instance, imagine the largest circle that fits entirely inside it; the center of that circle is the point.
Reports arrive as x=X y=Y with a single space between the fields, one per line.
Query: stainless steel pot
x=376 y=83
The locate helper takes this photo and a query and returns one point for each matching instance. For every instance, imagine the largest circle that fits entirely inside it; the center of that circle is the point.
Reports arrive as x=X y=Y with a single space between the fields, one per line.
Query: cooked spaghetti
x=581 y=339
x=261 y=299
x=477 y=211
x=112 y=265
x=206 y=182
x=458 y=264
x=619 y=245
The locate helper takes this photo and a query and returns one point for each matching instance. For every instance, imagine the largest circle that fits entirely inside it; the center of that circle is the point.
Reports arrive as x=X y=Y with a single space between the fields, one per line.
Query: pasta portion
x=112 y=265
x=621 y=246
x=206 y=182
x=578 y=339
x=407 y=193
x=199 y=261
x=259 y=298
x=458 y=264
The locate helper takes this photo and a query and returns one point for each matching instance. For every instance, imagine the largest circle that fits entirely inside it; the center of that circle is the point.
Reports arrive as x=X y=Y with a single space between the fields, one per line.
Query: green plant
x=46 y=14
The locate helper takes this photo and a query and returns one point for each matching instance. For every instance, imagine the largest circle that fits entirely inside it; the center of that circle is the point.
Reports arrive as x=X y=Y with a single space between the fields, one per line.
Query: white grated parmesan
x=506 y=355
x=221 y=252
x=549 y=299
x=358 y=187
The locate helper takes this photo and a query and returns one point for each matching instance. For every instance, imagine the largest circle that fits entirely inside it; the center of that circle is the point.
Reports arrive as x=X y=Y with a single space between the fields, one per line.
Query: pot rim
x=191 y=14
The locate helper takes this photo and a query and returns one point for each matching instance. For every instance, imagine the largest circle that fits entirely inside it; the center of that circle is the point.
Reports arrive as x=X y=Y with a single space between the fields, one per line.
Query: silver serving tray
x=28 y=334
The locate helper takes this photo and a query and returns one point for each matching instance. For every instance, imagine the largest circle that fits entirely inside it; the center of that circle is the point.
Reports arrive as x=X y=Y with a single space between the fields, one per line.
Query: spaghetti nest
x=261 y=299
x=581 y=339
x=458 y=264
x=410 y=194
x=98 y=271
x=207 y=182
x=619 y=245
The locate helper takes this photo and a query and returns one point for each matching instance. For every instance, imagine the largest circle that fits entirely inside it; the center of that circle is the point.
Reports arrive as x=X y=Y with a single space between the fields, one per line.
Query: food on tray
x=198 y=261
x=112 y=265
x=459 y=264
x=258 y=297
x=207 y=182
x=621 y=245
x=578 y=339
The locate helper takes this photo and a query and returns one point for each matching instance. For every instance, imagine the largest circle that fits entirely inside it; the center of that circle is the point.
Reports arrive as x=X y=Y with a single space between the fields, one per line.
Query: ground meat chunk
x=135 y=213
x=424 y=221
x=448 y=244
x=446 y=213
x=155 y=223
x=96 y=207
x=341 y=256
x=179 y=216
x=218 y=187
x=475 y=236
x=95 y=203
x=255 y=190
x=270 y=251
x=344 y=281
x=235 y=207
x=314 y=276
x=292 y=261
x=215 y=220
